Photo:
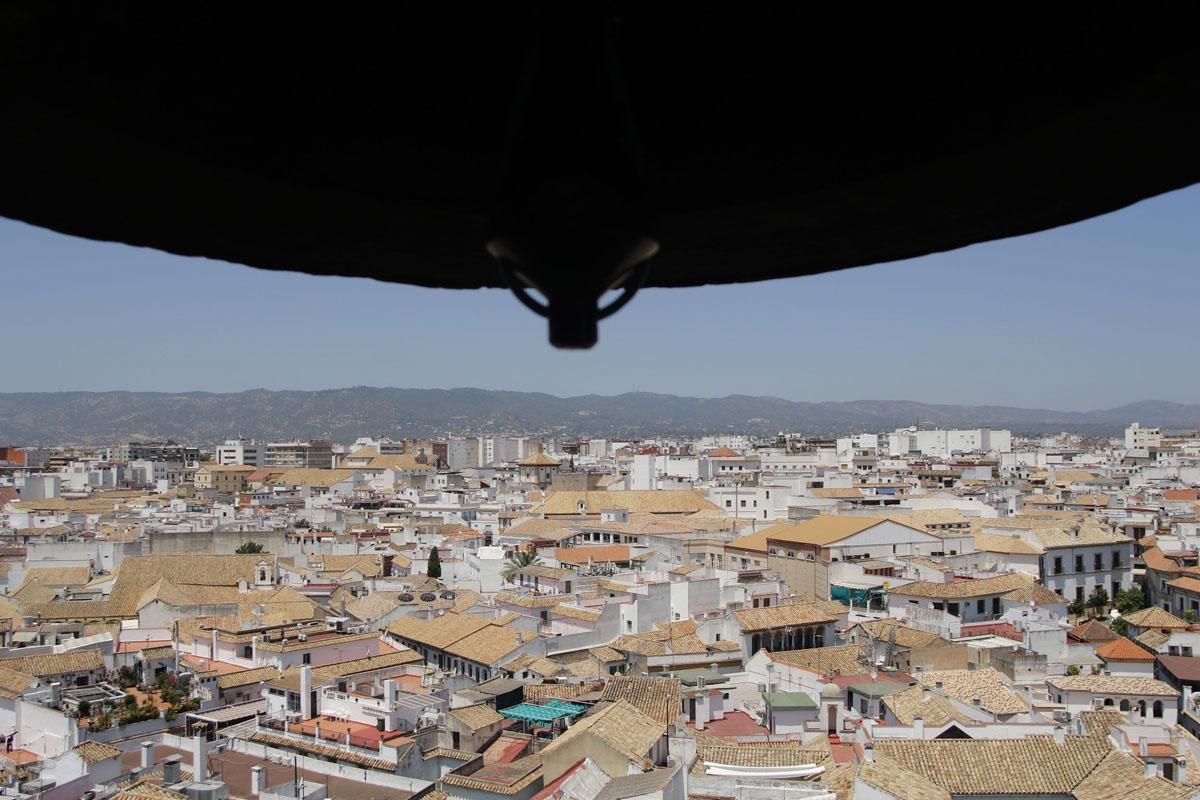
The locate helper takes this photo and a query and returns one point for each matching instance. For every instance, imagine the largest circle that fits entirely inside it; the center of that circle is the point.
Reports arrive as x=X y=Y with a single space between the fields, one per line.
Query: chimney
x=1181 y=769
x=1143 y=746
x=389 y=692
x=199 y=759
x=938 y=685
x=256 y=780
x=975 y=701
x=147 y=755
x=306 y=709
x=918 y=725
x=55 y=694
x=172 y=773
x=1060 y=734
x=1149 y=770
x=868 y=751
x=1133 y=715
x=342 y=606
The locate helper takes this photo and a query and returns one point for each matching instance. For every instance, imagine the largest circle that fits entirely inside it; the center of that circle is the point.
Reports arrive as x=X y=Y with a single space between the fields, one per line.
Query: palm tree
x=517 y=562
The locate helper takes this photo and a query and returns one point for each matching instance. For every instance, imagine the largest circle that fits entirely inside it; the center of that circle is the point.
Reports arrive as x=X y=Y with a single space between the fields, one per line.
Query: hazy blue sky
x=1087 y=316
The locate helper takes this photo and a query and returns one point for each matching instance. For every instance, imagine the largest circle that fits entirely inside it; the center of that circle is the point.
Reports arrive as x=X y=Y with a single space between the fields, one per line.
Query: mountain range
x=343 y=414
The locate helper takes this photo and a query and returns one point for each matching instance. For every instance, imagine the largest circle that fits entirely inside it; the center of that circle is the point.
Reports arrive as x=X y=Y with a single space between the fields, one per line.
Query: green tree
x=433 y=567
x=84 y=710
x=517 y=562
x=1076 y=608
x=249 y=549
x=1072 y=670
x=1098 y=599
x=1120 y=626
x=1130 y=600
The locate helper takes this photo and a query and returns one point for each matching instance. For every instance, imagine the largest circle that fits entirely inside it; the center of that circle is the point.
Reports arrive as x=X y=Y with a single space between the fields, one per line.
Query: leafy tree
x=249 y=549
x=84 y=710
x=1076 y=608
x=517 y=562
x=1120 y=626
x=1130 y=600
x=433 y=567
x=1098 y=599
x=1073 y=670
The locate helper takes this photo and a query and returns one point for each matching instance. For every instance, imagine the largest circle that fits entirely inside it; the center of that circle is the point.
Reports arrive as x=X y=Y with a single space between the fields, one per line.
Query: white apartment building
x=239 y=452
x=463 y=452
x=1139 y=438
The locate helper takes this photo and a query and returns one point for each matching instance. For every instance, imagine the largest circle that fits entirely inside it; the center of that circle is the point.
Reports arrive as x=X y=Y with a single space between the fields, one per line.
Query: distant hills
x=343 y=414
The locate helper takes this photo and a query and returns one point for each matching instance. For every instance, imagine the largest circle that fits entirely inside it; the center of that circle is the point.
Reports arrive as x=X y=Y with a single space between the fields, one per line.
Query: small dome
x=831 y=690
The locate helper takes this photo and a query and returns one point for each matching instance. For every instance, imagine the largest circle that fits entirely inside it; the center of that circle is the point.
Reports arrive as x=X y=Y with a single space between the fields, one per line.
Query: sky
x=1087 y=316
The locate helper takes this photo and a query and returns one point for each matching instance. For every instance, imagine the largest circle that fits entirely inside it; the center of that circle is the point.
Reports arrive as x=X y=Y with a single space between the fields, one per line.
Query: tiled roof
x=805 y=613
x=1034 y=593
x=499 y=777
x=897 y=782
x=490 y=644
x=658 y=698
x=597 y=554
x=13 y=683
x=758 y=754
x=957 y=590
x=620 y=725
x=1120 y=775
x=843 y=659
x=95 y=752
x=964 y=685
x=652 y=501
x=395 y=658
x=56 y=663
x=918 y=701
x=1155 y=560
x=246 y=677
x=538 y=692
x=1154 y=617
x=905 y=636
x=576 y=612
x=1032 y=765
x=477 y=716
x=324 y=751
x=1111 y=684
x=1123 y=649
x=531 y=600
x=440 y=632
x=1093 y=631
x=1152 y=638
x=446 y=752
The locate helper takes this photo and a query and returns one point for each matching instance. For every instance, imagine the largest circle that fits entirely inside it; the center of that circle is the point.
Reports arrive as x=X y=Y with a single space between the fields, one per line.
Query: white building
x=239 y=452
x=1139 y=438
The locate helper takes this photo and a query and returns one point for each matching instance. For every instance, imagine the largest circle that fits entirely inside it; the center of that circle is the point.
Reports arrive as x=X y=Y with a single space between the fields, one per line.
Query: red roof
x=1093 y=631
x=1123 y=650
x=723 y=452
x=1180 y=495
x=1183 y=668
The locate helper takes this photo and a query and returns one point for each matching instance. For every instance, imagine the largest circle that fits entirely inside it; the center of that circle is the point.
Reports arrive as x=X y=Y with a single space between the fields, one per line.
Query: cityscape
x=910 y=613
x=598 y=401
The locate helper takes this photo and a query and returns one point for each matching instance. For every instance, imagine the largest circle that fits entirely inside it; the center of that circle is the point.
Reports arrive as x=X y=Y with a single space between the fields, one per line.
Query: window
x=980 y=606
x=248 y=651
x=306 y=659
x=729 y=504
x=1058 y=565
x=1099 y=561
x=1116 y=561
x=1158 y=709
x=742 y=503
x=1079 y=563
